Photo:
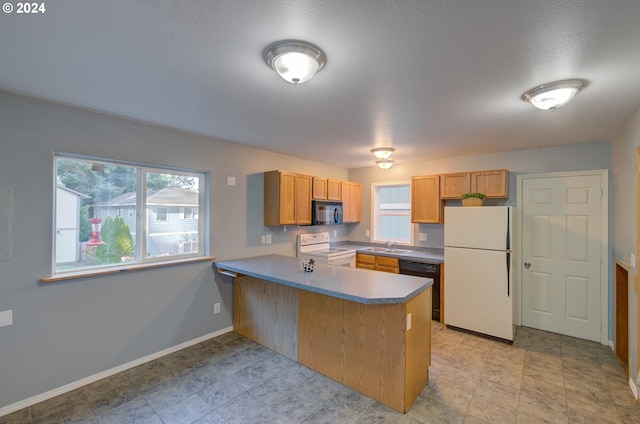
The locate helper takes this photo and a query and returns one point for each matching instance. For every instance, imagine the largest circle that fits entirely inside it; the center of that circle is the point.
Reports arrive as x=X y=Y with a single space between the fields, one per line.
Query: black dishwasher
x=420 y=269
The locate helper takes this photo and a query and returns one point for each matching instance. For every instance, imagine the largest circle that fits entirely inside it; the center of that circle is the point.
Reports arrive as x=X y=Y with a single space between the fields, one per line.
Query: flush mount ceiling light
x=384 y=163
x=554 y=95
x=294 y=60
x=383 y=152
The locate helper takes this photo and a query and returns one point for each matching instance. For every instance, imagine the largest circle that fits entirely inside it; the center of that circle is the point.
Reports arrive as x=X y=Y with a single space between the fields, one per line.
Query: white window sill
x=129 y=268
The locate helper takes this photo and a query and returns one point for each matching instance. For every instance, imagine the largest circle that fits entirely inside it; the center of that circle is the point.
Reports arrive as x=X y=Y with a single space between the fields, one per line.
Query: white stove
x=317 y=247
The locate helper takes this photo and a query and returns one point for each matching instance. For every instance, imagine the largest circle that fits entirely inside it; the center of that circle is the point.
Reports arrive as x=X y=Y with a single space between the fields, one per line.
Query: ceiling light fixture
x=554 y=95
x=294 y=60
x=383 y=152
x=384 y=163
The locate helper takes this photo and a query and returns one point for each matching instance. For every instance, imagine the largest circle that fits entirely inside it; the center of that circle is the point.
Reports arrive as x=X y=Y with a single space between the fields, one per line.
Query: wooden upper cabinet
x=426 y=206
x=351 y=201
x=327 y=189
x=334 y=190
x=454 y=185
x=287 y=198
x=319 y=188
x=494 y=183
x=303 y=199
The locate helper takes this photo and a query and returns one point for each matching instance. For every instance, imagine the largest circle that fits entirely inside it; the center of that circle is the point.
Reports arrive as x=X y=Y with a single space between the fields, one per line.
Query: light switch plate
x=231 y=181
x=632 y=260
x=6 y=318
x=408 y=322
x=422 y=236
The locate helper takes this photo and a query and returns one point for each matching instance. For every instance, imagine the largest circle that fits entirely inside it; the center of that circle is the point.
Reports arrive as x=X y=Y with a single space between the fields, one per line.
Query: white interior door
x=562 y=255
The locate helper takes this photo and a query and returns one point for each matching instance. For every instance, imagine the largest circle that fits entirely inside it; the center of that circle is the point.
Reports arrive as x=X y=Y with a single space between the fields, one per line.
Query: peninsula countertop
x=358 y=285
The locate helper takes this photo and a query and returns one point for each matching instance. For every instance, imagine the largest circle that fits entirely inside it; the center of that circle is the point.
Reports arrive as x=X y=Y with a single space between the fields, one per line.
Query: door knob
x=527 y=265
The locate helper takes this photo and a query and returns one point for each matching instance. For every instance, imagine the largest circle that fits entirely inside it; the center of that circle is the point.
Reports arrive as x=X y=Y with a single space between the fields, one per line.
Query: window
x=162 y=214
x=391 y=210
x=92 y=231
x=188 y=213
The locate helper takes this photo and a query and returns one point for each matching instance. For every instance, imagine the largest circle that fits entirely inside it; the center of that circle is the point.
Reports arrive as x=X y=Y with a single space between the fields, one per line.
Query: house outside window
x=391 y=213
x=105 y=236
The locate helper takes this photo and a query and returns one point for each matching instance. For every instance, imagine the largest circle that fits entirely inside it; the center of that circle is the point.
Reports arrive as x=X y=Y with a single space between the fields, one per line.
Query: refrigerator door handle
x=508 y=274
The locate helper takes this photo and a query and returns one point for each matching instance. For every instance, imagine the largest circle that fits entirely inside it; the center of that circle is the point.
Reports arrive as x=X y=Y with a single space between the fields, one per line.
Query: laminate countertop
x=417 y=254
x=358 y=285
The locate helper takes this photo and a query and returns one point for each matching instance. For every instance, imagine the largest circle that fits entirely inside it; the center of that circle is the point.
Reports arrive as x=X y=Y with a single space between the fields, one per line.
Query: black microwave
x=326 y=213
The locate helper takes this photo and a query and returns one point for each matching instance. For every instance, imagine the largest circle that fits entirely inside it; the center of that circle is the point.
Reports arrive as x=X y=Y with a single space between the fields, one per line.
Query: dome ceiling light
x=383 y=154
x=295 y=61
x=555 y=94
x=384 y=163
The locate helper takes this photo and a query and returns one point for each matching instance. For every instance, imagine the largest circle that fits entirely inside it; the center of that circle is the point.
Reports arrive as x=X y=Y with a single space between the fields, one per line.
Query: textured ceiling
x=431 y=78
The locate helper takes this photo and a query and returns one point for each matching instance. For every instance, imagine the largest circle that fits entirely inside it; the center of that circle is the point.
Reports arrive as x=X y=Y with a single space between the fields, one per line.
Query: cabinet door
x=334 y=190
x=387 y=264
x=319 y=188
x=426 y=206
x=303 y=199
x=493 y=183
x=351 y=200
x=365 y=261
x=279 y=198
x=453 y=185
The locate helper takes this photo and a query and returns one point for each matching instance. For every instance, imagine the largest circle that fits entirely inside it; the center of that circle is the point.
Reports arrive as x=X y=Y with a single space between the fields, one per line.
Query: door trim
x=605 y=265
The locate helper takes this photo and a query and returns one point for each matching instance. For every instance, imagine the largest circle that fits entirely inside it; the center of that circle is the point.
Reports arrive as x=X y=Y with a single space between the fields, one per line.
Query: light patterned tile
x=186 y=411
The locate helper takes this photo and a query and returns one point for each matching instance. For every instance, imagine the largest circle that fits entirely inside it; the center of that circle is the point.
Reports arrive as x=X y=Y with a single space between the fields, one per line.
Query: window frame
x=141 y=231
x=375 y=216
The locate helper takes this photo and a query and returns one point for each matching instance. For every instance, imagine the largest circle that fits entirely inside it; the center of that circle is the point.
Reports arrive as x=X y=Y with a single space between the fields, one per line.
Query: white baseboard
x=5 y=410
x=634 y=388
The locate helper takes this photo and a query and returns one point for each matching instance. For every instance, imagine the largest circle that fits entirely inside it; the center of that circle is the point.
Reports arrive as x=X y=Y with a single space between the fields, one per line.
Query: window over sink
x=391 y=212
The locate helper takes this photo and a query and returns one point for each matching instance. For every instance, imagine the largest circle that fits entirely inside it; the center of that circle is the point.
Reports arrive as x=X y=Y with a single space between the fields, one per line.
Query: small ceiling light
x=382 y=152
x=554 y=95
x=384 y=163
x=294 y=60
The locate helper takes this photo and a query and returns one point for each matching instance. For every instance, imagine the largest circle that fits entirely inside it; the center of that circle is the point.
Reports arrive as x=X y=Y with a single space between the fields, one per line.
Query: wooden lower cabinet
x=377 y=263
x=364 y=346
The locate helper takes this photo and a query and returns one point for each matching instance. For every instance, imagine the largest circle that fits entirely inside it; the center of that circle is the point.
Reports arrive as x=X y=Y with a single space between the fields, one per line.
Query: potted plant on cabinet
x=472 y=199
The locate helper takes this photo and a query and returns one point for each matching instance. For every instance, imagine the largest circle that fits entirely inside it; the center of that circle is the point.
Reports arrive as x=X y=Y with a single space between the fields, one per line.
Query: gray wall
x=624 y=148
x=67 y=331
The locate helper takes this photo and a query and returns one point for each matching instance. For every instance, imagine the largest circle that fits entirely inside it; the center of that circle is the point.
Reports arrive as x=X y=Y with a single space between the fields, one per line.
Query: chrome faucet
x=391 y=245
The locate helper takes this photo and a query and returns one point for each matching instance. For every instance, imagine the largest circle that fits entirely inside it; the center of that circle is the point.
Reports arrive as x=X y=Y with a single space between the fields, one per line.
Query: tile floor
x=541 y=378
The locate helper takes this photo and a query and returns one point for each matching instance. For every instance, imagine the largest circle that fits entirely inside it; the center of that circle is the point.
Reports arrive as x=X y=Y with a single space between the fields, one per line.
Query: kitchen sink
x=397 y=251
x=384 y=250
x=374 y=249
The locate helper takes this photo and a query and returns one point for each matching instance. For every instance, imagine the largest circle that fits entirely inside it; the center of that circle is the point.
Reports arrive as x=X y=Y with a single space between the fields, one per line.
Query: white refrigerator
x=478 y=279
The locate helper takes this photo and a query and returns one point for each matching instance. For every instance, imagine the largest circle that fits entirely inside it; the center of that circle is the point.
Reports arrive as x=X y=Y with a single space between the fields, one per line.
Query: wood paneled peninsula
x=368 y=330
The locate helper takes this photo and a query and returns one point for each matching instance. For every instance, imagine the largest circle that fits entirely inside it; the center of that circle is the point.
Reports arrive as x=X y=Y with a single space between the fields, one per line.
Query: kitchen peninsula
x=368 y=330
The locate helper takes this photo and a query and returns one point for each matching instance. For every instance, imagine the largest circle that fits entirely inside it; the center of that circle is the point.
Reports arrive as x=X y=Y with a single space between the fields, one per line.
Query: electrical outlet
x=216 y=308
x=335 y=233
x=367 y=233
x=268 y=238
x=231 y=181
x=422 y=236
x=6 y=318
x=264 y=239
x=632 y=260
